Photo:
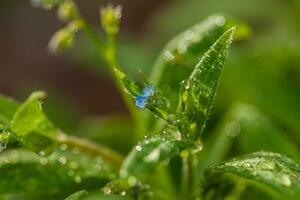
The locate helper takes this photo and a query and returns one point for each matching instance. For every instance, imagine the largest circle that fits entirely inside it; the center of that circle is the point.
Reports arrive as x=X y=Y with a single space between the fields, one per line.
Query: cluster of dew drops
x=63 y=160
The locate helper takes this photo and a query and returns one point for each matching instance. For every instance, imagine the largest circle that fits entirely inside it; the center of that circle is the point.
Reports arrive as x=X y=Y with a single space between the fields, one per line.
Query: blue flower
x=142 y=100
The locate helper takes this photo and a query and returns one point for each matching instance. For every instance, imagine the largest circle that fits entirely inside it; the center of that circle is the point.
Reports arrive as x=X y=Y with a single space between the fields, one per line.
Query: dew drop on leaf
x=107 y=191
x=63 y=147
x=153 y=156
x=62 y=160
x=4 y=137
x=138 y=148
x=285 y=180
x=232 y=129
x=220 y=21
x=123 y=193
x=42 y=153
x=77 y=179
x=71 y=173
x=169 y=56
x=132 y=181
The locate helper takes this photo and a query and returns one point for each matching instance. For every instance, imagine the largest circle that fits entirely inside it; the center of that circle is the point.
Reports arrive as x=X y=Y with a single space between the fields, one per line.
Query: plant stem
x=108 y=54
x=187 y=177
x=111 y=156
x=112 y=63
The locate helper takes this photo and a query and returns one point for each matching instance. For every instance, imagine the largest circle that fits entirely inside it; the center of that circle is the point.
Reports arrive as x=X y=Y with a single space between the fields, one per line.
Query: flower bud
x=67 y=11
x=110 y=19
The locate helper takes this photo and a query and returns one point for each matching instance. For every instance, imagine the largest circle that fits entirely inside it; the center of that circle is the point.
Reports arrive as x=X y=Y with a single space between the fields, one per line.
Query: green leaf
x=156 y=102
x=8 y=107
x=149 y=153
x=244 y=129
x=198 y=91
x=77 y=195
x=30 y=117
x=130 y=86
x=181 y=54
x=275 y=173
x=63 y=170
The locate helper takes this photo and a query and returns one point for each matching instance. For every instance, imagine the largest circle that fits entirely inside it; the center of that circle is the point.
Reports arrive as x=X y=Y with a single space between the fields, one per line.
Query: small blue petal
x=149 y=91
x=141 y=101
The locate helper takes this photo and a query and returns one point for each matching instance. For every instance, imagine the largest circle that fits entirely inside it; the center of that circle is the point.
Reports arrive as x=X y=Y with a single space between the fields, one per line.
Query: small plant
x=38 y=160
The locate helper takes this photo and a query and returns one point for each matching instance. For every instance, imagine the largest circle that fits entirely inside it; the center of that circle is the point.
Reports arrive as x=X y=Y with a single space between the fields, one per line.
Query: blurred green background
x=262 y=70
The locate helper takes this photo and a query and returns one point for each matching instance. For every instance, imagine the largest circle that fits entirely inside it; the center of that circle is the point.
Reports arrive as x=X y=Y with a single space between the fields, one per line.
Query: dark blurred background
x=26 y=65
x=72 y=84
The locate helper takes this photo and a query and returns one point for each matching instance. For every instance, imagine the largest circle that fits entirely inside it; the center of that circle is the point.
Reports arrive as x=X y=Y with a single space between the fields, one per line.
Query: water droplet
x=132 y=181
x=220 y=20
x=232 y=129
x=77 y=179
x=62 y=160
x=73 y=165
x=42 y=153
x=285 y=180
x=189 y=34
x=153 y=156
x=107 y=191
x=63 y=147
x=169 y=56
x=177 y=135
x=123 y=193
x=266 y=165
x=71 y=173
x=182 y=47
x=138 y=148
x=4 y=137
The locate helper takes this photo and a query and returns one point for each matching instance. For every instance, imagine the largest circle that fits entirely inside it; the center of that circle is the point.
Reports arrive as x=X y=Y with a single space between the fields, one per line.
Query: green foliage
x=270 y=170
x=29 y=116
x=183 y=51
x=148 y=153
x=176 y=151
x=63 y=170
x=198 y=91
x=8 y=108
x=77 y=196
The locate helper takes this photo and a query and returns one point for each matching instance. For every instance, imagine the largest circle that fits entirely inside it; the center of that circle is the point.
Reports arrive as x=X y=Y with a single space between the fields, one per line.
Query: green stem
x=112 y=63
x=107 y=154
x=108 y=54
x=187 y=177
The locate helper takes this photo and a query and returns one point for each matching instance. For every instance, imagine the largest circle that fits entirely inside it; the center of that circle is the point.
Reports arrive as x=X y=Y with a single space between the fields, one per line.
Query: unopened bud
x=110 y=18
